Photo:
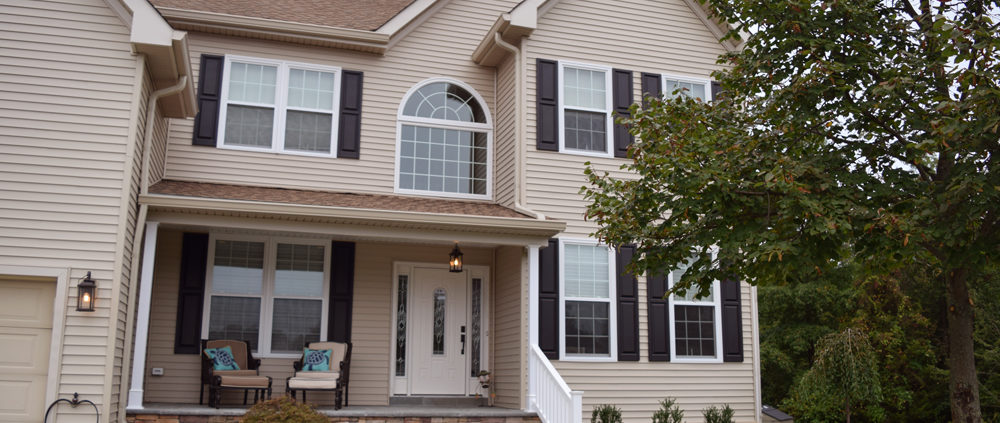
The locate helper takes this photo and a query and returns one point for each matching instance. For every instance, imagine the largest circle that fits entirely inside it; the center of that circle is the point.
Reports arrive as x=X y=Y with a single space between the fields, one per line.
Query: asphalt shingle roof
x=366 y=15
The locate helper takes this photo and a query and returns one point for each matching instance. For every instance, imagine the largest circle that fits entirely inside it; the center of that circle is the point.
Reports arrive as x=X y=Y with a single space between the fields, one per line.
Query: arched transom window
x=444 y=142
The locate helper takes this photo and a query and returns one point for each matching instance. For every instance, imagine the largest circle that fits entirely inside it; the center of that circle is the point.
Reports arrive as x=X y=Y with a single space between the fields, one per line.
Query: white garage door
x=25 y=340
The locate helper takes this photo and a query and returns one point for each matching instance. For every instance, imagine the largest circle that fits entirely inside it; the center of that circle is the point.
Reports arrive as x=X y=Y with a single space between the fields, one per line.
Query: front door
x=438 y=325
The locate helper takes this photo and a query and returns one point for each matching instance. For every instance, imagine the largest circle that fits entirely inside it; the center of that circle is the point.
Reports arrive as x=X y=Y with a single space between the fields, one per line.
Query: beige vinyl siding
x=641 y=36
x=505 y=123
x=509 y=330
x=637 y=35
x=67 y=84
x=439 y=47
x=637 y=387
x=370 y=331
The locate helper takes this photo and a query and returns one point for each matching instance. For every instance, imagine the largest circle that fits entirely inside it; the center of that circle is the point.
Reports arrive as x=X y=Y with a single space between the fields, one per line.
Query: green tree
x=862 y=130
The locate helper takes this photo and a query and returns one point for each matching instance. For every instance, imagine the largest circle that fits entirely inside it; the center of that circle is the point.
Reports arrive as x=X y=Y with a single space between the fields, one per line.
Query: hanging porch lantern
x=455 y=260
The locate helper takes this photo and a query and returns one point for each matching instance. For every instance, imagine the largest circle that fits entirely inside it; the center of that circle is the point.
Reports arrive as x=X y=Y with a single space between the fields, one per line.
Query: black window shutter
x=716 y=90
x=349 y=144
x=206 y=122
x=547 y=105
x=341 y=292
x=658 y=318
x=621 y=84
x=548 y=299
x=651 y=85
x=627 y=291
x=191 y=295
x=732 y=322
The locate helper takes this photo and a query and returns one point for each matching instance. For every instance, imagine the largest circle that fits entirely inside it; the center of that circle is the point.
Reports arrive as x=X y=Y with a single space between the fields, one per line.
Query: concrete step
x=439 y=401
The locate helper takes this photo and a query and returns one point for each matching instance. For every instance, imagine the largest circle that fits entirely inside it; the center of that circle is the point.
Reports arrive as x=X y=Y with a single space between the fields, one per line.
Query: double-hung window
x=585 y=109
x=696 y=322
x=588 y=315
x=266 y=291
x=279 y=106
x=691 y=87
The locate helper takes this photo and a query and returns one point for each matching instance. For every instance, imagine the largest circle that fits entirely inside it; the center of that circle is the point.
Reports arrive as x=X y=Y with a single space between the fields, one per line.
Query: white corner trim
x=135 y=392
x=755 y=333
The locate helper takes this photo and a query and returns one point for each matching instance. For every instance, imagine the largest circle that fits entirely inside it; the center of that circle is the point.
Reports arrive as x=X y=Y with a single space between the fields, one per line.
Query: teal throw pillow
x=316 y=360
x=222 y=358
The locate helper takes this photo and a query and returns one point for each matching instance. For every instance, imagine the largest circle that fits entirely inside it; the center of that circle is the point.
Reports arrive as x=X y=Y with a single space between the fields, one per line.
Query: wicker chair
x=246 y=378
x=335 y=380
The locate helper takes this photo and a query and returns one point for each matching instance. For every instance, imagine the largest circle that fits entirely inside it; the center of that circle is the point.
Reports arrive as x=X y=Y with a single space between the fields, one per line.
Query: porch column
x=142 y=320
x=529 y=401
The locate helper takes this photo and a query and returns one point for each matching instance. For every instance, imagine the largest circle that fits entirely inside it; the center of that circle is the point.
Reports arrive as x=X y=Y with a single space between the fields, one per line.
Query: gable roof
x=366 y=15
x=370 y=26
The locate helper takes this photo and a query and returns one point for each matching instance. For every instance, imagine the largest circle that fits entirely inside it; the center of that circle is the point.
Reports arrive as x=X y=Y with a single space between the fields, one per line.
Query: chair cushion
x=318 y=375
x=316 y=360
x=222 y=358
x=311 y=383
x=245 y=381
x=234 y=372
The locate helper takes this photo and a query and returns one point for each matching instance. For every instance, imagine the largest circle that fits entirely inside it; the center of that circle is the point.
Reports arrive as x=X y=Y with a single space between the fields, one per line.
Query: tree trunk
x=963 y=386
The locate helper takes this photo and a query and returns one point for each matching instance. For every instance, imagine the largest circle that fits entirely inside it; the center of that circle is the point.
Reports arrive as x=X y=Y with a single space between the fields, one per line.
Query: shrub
x=283 y=409
x=714 y=414
x=669 y=412
x=606 y=413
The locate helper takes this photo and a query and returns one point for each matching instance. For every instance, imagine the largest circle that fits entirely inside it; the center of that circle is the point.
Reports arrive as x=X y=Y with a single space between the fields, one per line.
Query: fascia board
x=267 y=28
x=405 y=16
x=371 y=216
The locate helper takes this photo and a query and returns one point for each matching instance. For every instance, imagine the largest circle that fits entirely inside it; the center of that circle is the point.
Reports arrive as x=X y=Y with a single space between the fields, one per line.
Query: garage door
x=25 y=340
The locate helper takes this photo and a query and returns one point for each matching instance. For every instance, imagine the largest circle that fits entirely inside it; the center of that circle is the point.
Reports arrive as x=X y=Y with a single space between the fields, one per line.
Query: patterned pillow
x=316 y=360
x=222 y=358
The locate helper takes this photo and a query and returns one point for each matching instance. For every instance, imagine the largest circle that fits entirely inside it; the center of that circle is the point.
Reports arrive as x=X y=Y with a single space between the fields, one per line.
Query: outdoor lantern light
x=85 y=294
x=455 y=260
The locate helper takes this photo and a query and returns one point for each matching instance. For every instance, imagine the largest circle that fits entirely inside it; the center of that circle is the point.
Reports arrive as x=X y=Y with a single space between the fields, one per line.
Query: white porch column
x=142 y=320
x=529 y=401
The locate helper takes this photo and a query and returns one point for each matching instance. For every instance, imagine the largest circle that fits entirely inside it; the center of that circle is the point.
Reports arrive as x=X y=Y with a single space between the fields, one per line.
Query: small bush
x=669 y=412
x=714 y=414
x=283 y=409
x=606 y=413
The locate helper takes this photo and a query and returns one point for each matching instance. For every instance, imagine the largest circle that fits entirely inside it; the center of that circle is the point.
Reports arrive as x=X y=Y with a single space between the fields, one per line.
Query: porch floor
x=390 y=411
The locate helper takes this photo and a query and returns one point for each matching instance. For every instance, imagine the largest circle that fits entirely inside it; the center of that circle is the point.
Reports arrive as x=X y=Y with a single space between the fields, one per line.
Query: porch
x=282 y=275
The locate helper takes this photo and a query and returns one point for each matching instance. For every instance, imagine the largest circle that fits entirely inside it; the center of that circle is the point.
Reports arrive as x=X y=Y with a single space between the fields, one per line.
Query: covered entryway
x=25 y=341
x=439 y=338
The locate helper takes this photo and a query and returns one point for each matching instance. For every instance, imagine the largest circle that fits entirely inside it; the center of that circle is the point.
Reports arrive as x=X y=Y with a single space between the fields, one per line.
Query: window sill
x=586 y=153
x=418 y=193
x=695 y=360
x=587 y=359
x=273 y=151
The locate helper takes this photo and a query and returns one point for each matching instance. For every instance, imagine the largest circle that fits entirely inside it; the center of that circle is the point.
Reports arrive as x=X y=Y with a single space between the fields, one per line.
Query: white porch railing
x=548 y=394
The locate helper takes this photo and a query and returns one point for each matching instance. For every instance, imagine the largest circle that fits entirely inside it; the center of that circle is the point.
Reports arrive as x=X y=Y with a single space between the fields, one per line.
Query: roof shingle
x=332 y=199
x=366 y=15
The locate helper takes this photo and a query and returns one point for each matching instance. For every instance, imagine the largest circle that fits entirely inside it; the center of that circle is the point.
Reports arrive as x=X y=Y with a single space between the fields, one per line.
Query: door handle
x=463 y=340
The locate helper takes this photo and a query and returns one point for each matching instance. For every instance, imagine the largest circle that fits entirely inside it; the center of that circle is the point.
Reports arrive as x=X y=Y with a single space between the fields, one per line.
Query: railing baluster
x=553 y=400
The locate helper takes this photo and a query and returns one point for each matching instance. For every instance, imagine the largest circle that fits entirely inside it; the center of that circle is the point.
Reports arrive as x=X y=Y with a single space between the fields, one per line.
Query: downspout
x=521 y=133
x=147 y=141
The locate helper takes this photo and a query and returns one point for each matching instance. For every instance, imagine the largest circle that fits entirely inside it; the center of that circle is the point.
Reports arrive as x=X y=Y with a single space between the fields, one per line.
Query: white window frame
x=280 y=105
x=267 y=295
x=689 y=79
x=608 y=115
x=487 y=127
x=612 y=304
x=716 y=303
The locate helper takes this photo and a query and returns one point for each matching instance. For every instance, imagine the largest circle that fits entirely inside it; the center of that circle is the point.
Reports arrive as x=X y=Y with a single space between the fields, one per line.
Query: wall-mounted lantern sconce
x=85 y=294
x=455 y=260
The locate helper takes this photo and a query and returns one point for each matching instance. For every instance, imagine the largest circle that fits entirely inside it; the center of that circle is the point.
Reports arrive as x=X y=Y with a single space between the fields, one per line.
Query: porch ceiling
x=363 y=216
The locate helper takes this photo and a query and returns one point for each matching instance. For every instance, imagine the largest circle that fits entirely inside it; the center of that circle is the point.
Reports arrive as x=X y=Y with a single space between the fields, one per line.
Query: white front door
x=438 y=324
